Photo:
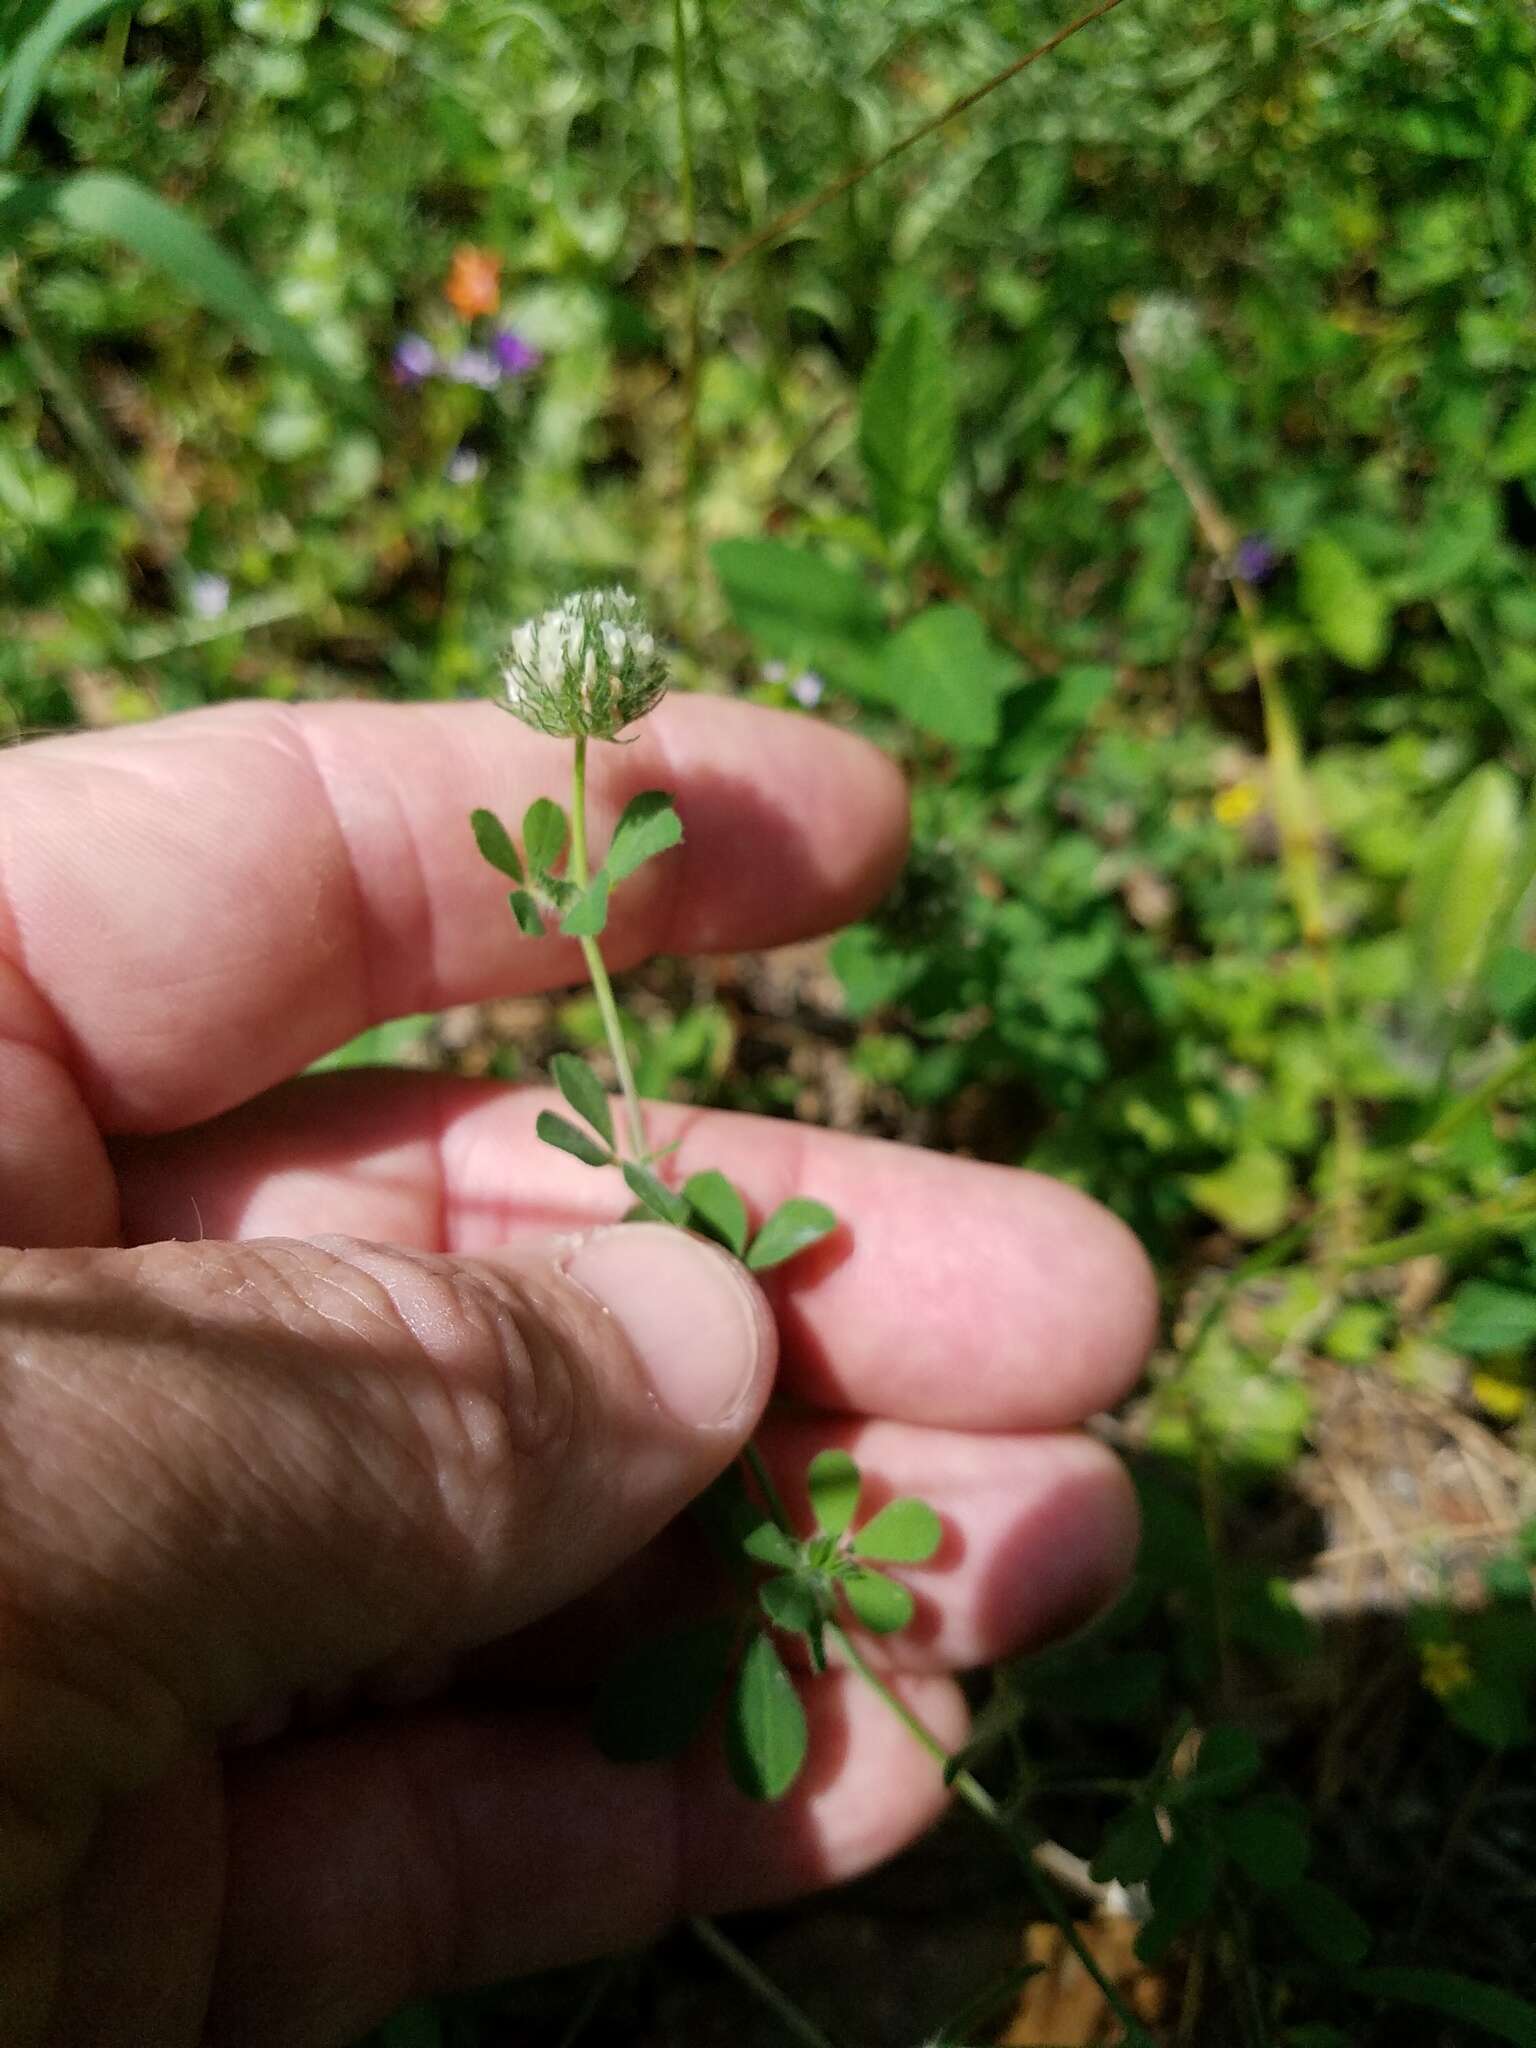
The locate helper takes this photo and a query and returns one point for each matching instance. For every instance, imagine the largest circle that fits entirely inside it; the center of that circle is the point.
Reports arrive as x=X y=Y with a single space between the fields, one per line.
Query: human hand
x=327 y=1403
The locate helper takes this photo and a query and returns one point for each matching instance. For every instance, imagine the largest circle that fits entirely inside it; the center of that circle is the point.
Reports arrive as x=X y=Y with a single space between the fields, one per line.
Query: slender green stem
x=778 y=2002
x=688 y=192
x=1507 y=1215
x=757 y=1466
x=1461 y=1113
x=967 y=1787
x=602 y=987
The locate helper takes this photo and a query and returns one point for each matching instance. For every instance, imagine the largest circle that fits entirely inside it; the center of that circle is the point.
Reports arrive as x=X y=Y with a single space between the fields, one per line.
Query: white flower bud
x=585 y=669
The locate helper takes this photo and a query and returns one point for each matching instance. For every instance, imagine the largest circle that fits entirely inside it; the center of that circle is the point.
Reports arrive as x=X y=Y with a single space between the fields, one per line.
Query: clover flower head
x=585 y=669
x=1165 y=329
x=475 y=366
x=209 y=595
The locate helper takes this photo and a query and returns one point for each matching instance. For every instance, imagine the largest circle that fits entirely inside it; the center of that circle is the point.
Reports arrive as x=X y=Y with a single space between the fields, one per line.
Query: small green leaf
x=790 y=1603
x=648 y=826
x=665 y=1206
x=545 y=833
x=717 y=1209
x=1183 y=1889
x=1132 y=1849
x=584 y=1092
x=945 y=673
x=904 y=1532
x=1343 y=602
x=1466 y=859
x=1463 y=1999
x=907 y=424
x=1268 y=1841
x=654 y=1703
x=881 y=1604
x=1488 y=1317
x=32 y=57
x=766 y=1733
x=495 y=843
x=589 y=913
x=1511 y=986
x=769 y=1545
x=832 y=1481
x=793 y=1227
x=530 y=919
x=1251 y=1193
x=1226 y=1762
x=560 y=1132
x=1326 y=1923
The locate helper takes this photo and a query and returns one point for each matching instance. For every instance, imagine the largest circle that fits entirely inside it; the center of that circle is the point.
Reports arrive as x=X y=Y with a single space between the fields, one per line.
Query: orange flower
x=474 y=282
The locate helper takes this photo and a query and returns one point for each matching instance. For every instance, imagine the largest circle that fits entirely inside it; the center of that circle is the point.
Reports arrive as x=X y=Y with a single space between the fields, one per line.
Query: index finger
x=206 y=904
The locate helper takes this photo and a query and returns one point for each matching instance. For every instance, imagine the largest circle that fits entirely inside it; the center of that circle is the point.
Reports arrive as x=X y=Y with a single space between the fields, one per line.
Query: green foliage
x=765 y=1731
x=585 y=1093
x=907 y=426
x=565 y=1136
x=792 y=1228
x=716 y=1209
x=647 y=827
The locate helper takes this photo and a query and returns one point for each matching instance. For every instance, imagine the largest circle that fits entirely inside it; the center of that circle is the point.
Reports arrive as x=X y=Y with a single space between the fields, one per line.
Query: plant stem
x=602 y=987
x=691 y=336
x=1295 y=801
x=774 y=1500
x=1451 y=1120
x=1506 y=1215
x=778 y=2002
x=970 y=1789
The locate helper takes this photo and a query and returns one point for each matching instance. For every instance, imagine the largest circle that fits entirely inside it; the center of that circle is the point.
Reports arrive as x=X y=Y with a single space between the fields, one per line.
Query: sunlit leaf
x=34 y=53
x=718 y=1209
x=793 y=1227
x=1342 y=600
x=765 y=1732
x=832 y=1481
x=560 y=1132
x=545 y=834
x=649 y=826
x=769 y=1545
x=907 y=424
x=658 y=1200
x=589 y=913
x=904 y=1532
x=881 y=1604
x=495 y=843
x=584 y=1092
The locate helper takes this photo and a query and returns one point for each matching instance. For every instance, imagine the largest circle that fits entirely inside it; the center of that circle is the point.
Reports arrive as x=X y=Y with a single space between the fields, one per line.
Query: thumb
x=234 y=1471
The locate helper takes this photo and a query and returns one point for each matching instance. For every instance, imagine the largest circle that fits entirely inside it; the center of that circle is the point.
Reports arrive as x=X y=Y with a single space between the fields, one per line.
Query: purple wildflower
x=515 y=356
x=1256 y=559
x=475 y=366
x=808 y=689
x=414 y=359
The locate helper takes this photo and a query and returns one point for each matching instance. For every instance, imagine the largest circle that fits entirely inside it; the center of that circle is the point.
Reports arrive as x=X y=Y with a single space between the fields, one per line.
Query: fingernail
x=694 y=1320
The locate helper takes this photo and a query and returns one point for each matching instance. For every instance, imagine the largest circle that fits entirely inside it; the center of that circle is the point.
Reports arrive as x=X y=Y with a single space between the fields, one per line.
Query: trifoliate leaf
x=495 y=843
x=653 y=1704
x=905 y=1532
x=765 y=1732
x=584 y=1092
x=665 y=1206
x=1132 y=1849
x=589 y=913
x=769 y=1545
x=545 y=832
x=832 y=1481
x=793 y=1227
x=790 y=1603
x=560 y=1132
x=717 y=1209
x=530 y=919
x=880 y=1603
x=648 y=826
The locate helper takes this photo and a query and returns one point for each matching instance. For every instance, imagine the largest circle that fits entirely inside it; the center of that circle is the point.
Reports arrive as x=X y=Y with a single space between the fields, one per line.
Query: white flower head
x=585 y=669
x=1165 y=329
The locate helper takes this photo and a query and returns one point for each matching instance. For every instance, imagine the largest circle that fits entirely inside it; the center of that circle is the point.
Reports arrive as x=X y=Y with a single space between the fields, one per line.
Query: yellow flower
x=1235 y=806
x=1446 y=1668
x=474 y=282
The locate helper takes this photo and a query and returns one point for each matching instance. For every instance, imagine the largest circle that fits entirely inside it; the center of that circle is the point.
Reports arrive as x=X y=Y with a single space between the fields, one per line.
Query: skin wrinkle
x=302 y=750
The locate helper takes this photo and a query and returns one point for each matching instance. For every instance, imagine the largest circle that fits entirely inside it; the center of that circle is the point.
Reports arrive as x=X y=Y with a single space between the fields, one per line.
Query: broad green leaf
x=1346 y=607
x=1488 y=1317
x=945 y=674
x=793 y=1227
x=495 y=843
x=560 y=1132
x=904 y=1532
x=718 y=1209
x=881 y=1604
x=648 y=826
x=907 y=424
x=34 y=53
x=1329 y=1926
x=545 y=833
x=765 y=1734
x=1510 y=984
x=589 y=913
x=1514 y=453
x=798 y=606
x=1132 y=1849
x=530 y=919
x=1463 y=1999
x=832 y=1482
x=654 y=1702
x=665 y=1206
x=769 y=1545
x=104 y=203
x=1250 y=1194
x=789 y=1603
x=1226 y=1762
x=1268 y=1841
x=1182 y=1886
x=584 y=1092
x=1462 y=878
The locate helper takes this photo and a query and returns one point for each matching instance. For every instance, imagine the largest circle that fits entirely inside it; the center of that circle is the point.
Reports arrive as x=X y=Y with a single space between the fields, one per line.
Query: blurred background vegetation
x=1148 y=457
